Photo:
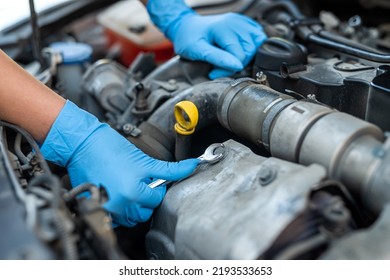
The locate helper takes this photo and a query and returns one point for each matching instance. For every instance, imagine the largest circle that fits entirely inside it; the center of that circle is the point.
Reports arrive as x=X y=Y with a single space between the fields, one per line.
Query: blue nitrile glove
x=93 y=152
x=227 y=41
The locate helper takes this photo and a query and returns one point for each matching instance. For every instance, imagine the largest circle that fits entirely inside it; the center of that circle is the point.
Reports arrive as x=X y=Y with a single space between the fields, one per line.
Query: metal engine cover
x=233 y=209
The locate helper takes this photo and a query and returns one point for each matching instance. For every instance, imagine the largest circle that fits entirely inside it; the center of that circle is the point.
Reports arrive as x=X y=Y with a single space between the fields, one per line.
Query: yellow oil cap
x=186 y=115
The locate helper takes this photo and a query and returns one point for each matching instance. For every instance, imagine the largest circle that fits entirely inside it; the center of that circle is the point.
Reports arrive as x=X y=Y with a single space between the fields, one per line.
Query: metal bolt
x=140 y=95
x=34 y=161
x=172 y=82
x=261 y=78
x=266 y=175
x=355 y=21
x=259 y=75
x=131 y=130
x=127 y=128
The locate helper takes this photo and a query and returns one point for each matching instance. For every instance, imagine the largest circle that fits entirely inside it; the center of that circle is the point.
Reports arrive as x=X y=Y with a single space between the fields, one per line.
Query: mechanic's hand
x=227 y=41
x=94 y=152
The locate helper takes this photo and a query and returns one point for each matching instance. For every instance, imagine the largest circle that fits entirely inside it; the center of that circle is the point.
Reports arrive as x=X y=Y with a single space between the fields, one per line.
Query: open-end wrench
x=211 y=155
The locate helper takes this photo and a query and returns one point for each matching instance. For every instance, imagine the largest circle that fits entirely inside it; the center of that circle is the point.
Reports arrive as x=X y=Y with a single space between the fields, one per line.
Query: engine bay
x=305 y=174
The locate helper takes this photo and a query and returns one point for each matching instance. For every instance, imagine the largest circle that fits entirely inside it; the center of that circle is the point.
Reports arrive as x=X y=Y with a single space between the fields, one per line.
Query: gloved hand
x=228 y=41
x=94 y=152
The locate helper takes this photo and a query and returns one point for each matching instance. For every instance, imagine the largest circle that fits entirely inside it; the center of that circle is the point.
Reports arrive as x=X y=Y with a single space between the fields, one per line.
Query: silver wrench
x=211 y=155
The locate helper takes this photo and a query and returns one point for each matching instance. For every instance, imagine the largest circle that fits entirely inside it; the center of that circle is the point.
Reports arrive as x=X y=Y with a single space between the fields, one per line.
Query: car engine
x=306 y=167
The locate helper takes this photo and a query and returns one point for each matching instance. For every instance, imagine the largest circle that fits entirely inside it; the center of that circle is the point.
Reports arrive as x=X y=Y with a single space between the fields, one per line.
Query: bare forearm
x=144 y=2
x=25 y=101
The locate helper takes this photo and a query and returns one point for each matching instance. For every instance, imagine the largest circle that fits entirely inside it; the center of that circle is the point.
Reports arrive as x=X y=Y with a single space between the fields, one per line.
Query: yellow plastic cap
x=186 y=115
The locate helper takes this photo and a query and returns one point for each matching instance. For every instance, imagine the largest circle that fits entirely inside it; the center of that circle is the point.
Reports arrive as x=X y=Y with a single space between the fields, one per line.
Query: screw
x=259 y=75
x=140 y=95
x=34 y=161
x=131 y=130
x=266 y=175
x=127 y=128
x=261 y=78
x=172 y=82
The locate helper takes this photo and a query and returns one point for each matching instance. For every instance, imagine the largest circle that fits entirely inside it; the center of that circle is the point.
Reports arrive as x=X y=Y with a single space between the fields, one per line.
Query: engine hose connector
x=248 y=109
x=351 y=149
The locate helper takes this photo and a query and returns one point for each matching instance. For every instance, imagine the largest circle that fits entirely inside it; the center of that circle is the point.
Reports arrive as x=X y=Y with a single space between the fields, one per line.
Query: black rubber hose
x=67 y=242
x=68 y=245
x=49 y=181
x=87 y=187
x=364 y=54
x=317 y=35
x=158 y=134
x=18 y=149
x=342 y=40
x=31 y=142
x=238 y=105
x=322 y=37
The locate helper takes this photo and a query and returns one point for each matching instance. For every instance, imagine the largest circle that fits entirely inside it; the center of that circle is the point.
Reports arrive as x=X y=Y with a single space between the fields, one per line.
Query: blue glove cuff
x=70 y=129
x=167 y=15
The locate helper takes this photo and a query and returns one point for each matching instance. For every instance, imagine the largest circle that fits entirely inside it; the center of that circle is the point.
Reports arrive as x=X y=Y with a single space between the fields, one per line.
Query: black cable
x=18 y=149
x=364 y=54
x=87 y=187
x=343 y=40
x=52 y=182
x=31 y=142
x=67 y=242
x=49 y=181
x=289 y=13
